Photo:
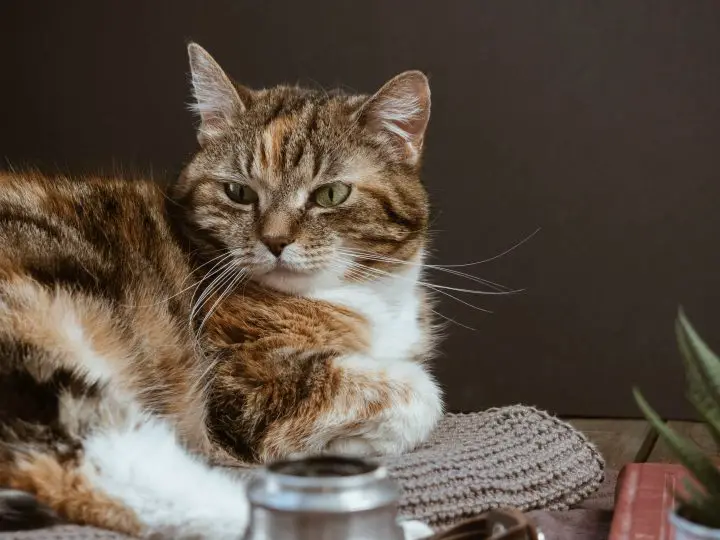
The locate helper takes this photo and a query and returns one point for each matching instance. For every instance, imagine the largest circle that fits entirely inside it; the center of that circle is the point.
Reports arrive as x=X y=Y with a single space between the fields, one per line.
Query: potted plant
x=698 y=514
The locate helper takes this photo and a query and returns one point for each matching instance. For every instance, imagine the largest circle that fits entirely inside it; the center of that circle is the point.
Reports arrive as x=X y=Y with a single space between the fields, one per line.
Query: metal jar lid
x=327 y=484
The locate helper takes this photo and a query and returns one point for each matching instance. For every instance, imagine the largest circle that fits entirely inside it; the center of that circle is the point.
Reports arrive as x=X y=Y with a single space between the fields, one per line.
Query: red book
x=644 y=498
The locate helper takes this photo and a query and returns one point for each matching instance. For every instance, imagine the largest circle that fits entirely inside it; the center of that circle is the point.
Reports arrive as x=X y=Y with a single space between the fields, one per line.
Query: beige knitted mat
x=512 y=456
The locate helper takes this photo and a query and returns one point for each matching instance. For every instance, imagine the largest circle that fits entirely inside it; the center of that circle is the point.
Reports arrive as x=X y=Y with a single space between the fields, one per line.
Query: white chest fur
x=391 y=305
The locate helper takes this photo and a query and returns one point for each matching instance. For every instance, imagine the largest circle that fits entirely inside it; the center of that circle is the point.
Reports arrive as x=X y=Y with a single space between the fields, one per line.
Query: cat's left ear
x=399 y=112
x=218 y=100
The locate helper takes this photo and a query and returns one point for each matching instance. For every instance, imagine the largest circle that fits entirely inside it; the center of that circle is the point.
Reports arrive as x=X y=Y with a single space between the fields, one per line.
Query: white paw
x=351 y=446
x=415 y=530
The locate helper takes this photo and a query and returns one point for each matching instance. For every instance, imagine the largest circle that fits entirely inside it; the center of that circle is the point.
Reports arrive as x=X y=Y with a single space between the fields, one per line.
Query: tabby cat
x=268 y=305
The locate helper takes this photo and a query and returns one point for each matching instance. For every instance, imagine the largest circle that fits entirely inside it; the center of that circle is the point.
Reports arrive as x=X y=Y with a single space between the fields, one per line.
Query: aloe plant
x=702 y=370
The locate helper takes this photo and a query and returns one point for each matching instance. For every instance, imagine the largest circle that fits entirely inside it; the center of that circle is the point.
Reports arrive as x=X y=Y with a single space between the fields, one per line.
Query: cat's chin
x=294 y=281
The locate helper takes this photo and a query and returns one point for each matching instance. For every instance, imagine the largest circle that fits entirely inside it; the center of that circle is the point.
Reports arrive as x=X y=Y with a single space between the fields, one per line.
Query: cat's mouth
x=283 y=268
x=287 y=278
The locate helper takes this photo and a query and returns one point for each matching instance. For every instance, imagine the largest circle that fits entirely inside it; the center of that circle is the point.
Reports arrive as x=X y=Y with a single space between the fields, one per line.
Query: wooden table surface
x=628 y=441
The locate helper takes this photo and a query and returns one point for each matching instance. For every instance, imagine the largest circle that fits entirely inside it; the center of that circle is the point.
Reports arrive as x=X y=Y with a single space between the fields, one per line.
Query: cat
x=268 y=305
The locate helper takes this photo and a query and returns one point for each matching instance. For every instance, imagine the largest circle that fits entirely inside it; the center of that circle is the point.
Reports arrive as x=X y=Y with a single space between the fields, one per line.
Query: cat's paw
x=351 y=446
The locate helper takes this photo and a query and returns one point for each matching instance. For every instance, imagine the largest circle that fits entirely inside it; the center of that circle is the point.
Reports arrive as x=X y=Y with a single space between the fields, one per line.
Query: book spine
x=644 y=499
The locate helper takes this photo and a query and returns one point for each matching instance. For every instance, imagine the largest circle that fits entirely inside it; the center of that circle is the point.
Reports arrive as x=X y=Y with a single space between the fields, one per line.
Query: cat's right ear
x=218 y=101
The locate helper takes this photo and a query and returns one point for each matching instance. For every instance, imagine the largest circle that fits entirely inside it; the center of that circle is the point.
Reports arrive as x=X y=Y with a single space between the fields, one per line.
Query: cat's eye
x=240 y=193
x=331 y=194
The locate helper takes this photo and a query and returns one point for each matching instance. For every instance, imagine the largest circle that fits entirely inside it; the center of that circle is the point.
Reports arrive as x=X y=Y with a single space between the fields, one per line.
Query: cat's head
x=299 y=186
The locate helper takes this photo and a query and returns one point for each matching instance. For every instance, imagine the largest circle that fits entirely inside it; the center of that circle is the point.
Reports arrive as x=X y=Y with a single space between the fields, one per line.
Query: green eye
x=240 y=193
x=331 y=194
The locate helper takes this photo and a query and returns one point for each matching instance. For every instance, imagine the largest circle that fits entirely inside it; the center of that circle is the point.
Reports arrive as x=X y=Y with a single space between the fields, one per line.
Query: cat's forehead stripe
x=275 y=139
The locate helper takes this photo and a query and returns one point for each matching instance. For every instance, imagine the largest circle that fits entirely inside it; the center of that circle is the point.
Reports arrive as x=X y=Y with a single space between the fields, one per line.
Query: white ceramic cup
x=687 y=530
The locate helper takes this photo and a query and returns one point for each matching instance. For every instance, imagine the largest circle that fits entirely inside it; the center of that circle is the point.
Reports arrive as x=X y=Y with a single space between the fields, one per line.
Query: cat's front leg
x=272 y=404
x=400 y=403
x=358 y=406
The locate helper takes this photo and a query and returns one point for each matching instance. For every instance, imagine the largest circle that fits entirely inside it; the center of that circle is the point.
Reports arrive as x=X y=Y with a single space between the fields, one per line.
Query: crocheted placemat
x=511 y=456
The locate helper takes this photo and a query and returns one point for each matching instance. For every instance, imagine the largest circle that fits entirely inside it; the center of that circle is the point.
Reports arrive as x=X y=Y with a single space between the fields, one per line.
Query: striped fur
x=143 y=334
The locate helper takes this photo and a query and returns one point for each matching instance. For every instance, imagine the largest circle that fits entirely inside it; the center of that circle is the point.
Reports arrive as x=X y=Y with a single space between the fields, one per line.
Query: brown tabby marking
x=86 y=274
x=282 y=348
x=341 y=397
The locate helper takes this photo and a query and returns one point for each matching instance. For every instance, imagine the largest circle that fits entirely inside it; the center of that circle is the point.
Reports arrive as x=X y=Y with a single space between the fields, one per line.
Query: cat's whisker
x=350 y=272
x=225 y=252
x=391 y=260
x=224 y=259
x=493 y=285
x=207 y=293
x=358 y=276
x=447 y=267
x=381 y=273
x=198 y=331
x=499 y=255
x=453 y=321
x=229 y=288
x=218 y=274
x=223 y=256
x=446 y=287
x=181 y=291
x=233 y=253
x=475 y=263
x=210 y=273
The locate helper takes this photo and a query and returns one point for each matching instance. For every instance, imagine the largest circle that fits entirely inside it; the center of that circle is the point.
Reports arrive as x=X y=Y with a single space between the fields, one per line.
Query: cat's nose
x=276 y=244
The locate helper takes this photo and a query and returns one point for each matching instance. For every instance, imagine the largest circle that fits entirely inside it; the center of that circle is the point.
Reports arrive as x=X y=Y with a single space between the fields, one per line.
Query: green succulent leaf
x=711 y=418
x=704 y=374
x=702 y=368
x=700 y=501
x=701 y=467
x=693 y=495
x=699 y=507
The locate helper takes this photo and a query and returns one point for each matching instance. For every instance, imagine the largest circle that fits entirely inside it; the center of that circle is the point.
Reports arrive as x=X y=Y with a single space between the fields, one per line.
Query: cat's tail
x=20 y=511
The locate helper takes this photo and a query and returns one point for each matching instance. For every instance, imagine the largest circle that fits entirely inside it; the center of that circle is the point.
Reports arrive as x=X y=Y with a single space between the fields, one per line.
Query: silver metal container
x=323 y=498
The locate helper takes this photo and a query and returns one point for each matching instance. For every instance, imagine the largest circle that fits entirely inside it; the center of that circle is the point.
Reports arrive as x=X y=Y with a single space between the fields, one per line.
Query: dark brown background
x=597 y=121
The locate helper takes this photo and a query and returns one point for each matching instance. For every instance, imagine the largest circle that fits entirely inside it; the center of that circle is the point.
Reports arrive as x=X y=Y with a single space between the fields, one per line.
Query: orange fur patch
x=67 y=491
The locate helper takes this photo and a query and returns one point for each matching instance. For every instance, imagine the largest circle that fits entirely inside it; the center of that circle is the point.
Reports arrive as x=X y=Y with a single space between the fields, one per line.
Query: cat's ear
x=218 y=101
x=399 y=112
